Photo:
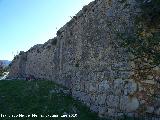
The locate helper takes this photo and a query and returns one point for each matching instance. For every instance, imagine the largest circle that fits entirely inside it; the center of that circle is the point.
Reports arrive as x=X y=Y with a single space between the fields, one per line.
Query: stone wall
x=86 y=57
x=18 y=66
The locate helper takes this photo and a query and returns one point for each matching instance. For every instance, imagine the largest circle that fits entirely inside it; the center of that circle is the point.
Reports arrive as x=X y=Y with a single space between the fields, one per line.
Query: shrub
x=150 y=11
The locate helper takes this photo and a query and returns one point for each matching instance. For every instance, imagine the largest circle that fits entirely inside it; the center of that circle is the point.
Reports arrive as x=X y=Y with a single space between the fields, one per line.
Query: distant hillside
x=5 y=62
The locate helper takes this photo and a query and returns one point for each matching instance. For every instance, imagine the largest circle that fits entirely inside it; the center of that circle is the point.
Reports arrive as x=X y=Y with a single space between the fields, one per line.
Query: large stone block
x=129 y=104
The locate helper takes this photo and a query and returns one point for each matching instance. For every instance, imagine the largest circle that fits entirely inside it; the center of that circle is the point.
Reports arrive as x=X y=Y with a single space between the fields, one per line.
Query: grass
x=40 y=98
x=35 y=97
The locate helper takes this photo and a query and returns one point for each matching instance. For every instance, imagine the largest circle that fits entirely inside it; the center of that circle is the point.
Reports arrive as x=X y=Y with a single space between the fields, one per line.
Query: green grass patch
x=38 y=97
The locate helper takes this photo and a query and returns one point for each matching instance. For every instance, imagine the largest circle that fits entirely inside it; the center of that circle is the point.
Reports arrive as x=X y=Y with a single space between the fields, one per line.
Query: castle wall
x=87 y=57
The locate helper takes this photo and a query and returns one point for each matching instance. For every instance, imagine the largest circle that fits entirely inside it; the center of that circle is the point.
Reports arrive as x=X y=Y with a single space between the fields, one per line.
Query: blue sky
x=24 y=23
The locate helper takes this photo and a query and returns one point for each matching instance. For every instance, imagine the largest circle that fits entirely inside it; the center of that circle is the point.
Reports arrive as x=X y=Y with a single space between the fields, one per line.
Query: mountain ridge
x=5 y=62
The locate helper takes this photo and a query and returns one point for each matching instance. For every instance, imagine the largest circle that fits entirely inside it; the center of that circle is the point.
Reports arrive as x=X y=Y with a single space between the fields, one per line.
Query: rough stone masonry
x=86 y=57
